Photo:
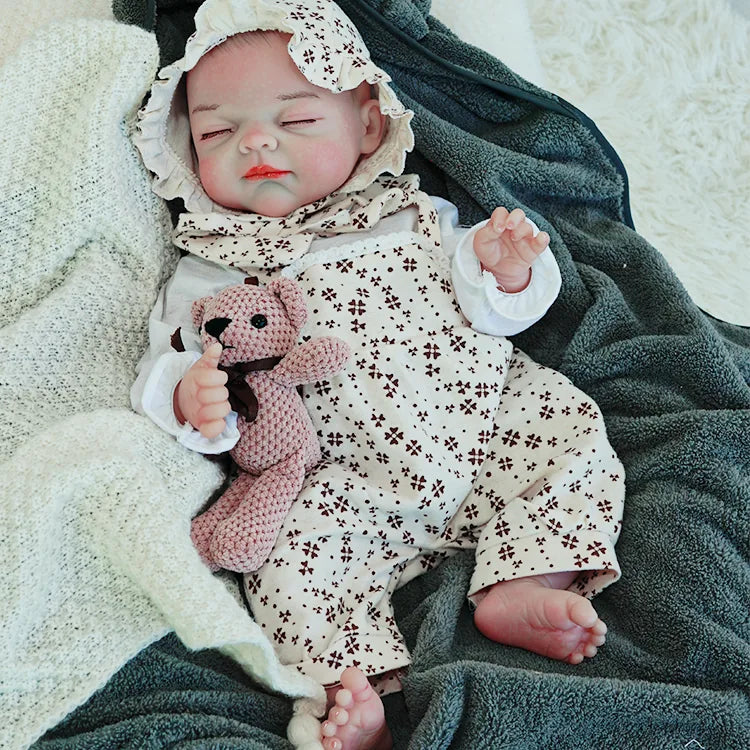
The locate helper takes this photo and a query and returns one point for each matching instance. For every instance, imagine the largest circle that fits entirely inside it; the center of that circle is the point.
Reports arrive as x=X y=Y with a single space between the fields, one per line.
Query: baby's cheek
x=207 y=173
x=334 y=160
x=215 y=183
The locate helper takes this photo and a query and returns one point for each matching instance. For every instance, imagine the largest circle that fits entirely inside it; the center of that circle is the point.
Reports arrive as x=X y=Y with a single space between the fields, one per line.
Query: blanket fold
x=672 y=384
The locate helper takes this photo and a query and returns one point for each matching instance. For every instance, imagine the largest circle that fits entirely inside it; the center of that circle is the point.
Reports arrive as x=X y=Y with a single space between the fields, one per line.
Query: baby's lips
x=264 y=171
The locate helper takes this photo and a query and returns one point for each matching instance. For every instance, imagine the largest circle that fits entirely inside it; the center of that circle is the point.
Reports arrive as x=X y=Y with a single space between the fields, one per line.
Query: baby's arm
x=488 y=308
x=507 y=247
x=162 y=369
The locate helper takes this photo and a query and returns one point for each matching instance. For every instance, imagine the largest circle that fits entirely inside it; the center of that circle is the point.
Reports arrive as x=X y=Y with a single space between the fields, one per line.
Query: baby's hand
x=201 y=398
x=506 y=247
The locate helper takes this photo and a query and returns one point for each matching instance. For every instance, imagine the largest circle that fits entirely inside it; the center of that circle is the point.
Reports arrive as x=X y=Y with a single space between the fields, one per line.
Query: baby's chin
x=274 y=201
x=271 y=212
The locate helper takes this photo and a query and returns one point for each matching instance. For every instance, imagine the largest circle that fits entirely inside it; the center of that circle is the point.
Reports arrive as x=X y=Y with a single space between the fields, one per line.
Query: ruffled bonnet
x=326 y=48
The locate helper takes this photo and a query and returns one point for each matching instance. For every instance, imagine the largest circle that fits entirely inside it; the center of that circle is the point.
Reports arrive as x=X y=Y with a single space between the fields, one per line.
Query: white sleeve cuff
x=493 y=311
x=157 y=404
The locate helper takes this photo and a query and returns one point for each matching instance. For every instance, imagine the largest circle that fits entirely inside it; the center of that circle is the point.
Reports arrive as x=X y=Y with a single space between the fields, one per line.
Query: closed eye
x=214 y=133
x=299 y=122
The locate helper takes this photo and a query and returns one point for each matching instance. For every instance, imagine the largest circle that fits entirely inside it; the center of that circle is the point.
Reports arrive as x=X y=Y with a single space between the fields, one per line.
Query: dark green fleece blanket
x=674 y=388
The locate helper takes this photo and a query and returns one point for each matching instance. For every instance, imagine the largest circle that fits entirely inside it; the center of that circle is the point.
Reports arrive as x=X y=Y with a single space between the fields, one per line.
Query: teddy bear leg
x=243 y=541
x=204 y=526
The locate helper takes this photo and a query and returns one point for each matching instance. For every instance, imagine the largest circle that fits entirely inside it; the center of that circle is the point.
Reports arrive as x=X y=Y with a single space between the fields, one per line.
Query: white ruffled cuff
x=493 y=311
x=157 y=403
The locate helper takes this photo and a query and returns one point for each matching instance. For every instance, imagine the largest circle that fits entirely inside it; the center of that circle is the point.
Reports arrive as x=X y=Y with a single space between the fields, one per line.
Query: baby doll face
x=267 y=140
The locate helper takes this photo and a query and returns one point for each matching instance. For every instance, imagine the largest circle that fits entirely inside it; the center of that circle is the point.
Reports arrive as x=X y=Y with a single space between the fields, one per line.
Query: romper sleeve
x=488 y=308
x=162 y=367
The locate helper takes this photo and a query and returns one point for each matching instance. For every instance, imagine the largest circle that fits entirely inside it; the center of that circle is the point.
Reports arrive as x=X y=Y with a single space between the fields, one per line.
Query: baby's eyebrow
x=297 y=95
x=204 y=108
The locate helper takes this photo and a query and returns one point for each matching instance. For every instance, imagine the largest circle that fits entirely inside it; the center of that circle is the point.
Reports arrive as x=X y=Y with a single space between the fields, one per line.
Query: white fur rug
x=667 y=82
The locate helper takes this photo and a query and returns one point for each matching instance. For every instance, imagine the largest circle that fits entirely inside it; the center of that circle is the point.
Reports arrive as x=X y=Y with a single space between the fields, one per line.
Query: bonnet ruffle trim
x=326 y=48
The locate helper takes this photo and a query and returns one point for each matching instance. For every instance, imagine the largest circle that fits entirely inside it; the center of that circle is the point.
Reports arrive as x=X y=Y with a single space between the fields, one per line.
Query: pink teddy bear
x=258 y=328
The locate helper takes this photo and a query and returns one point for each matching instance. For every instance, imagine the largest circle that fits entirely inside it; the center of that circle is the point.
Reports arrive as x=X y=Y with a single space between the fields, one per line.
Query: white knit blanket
x=95 y=503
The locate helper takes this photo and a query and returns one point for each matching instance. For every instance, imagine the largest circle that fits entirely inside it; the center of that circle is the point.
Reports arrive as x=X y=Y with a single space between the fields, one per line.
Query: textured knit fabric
x=95 y=502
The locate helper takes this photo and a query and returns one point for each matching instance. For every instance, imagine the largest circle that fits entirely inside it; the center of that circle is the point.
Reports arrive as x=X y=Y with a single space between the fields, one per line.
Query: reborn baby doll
x=275 y=129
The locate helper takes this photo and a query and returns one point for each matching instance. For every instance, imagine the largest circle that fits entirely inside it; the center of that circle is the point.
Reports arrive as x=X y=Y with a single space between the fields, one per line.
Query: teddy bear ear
x=292 y=297
x=197 y=310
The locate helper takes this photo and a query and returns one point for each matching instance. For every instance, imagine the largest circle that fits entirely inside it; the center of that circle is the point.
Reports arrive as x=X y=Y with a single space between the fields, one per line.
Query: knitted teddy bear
x=258 y=328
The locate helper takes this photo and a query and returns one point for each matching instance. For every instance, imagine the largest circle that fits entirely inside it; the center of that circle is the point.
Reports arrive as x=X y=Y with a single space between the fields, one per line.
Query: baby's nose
x=255 y=139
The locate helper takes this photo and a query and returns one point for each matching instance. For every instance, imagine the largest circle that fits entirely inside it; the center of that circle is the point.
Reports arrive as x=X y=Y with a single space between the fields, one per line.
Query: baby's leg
x=549 y=505
x=356 y=719
x=537 y=613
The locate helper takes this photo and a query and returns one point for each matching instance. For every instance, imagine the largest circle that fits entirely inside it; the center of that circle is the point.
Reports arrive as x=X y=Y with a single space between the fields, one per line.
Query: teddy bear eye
x=258 y=321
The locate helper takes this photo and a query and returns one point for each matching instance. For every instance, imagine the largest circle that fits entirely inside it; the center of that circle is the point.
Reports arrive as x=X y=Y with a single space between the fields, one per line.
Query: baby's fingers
x=526 y=246
x=522 y=232
x=212 y=412
x=213 y=395
x=516 y=220
x=209 y=377
x=540 y=242
x=210 y=358
x=499 y=220
x=213 y=429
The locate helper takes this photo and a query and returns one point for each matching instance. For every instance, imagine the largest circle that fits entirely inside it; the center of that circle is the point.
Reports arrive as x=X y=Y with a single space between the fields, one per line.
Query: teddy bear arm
x=312 y=360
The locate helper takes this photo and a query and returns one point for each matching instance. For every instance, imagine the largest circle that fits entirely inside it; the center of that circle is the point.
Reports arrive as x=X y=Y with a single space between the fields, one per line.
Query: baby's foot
x=357 y=720
x=555 y=623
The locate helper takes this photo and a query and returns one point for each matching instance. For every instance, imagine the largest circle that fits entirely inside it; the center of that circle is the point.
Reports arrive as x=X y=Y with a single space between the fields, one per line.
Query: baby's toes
x=582 y=613
x=598 y=634
x=344 y=700
x=331 y=743
x=329 y=739
x=337 y=718
x=591 y=639
x=589 y=650
x=575 y=658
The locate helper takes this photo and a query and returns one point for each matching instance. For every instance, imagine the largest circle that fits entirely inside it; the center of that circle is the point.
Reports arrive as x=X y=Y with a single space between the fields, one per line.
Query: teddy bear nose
x=215 y=327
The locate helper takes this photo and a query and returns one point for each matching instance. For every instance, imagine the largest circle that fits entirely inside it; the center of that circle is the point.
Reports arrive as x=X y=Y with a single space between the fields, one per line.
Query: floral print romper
x=435 y=438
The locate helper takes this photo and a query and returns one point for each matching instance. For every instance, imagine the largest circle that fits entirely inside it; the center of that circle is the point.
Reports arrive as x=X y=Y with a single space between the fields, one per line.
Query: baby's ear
x=292 y=297
x=197 y=310
x=375 y=123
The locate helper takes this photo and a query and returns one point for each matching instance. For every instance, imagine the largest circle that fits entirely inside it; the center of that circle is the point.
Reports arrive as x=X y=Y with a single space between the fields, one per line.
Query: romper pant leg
x=323 y=598
x=550 y=494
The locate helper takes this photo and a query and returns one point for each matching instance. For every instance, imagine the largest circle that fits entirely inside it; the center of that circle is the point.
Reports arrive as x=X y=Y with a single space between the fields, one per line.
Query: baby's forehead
x=267 y=40
x=257 y=62
x=244 y=47
x=241 y=53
